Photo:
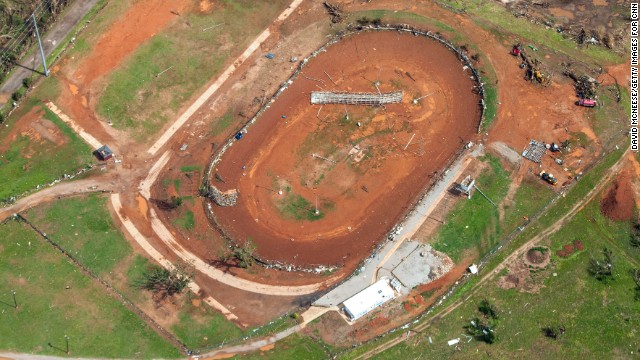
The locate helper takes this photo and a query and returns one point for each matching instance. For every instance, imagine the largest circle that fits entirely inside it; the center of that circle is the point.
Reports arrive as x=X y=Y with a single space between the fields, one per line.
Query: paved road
x=53 y=38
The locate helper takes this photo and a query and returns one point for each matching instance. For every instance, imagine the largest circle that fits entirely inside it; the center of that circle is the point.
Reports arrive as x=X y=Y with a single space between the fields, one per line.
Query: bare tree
x=165 y=282
x=602 y=269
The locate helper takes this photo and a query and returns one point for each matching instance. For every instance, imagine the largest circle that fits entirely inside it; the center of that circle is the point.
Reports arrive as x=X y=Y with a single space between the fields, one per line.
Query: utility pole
x=44 y=60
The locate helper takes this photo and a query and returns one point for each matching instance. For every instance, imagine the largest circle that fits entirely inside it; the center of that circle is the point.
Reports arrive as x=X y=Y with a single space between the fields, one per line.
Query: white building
x=368 y=299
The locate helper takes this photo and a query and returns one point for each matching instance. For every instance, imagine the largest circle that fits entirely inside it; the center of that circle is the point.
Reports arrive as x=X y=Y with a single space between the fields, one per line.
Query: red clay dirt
x=36 y=127
x=79 y=81
x=368 y=197
x=618 y=203
x=126 y=34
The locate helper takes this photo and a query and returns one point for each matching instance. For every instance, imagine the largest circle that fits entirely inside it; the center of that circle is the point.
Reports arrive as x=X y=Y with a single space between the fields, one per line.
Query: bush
x=170 y=204
x=578 y=245
x=27 y=82
x=553 y=332
x=602 y=269
x=569 y=249
x=481 y=331
x=488 y=310
x=19 y=94
x=165 y=282
x=203 y=191
x=635 y=274
x=363 y=21
x=635 y=235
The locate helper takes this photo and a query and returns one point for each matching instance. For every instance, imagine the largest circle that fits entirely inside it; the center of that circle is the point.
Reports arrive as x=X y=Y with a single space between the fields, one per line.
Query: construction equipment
x=516 y=50
x=531 y=66
x=553 y=147
x=548 y=178
x=587 y=102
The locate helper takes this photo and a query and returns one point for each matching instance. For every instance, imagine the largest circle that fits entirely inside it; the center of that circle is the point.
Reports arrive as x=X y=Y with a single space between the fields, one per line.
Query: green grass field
x=27 y=163
x=83 y=226
x=97 y=324
x=531 y=196
x=473 y=225
x=296 y=207
x=186 y=221
x=601 y=320
x=139 y=100
x=293 y=347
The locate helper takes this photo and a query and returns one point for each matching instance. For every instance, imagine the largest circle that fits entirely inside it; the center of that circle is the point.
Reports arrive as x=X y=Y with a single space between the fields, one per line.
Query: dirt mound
x=535 y=256
x=619 y=204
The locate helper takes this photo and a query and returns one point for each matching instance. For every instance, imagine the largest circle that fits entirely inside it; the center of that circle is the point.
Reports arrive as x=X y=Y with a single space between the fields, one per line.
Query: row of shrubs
x=569 y=249
x=27 y=83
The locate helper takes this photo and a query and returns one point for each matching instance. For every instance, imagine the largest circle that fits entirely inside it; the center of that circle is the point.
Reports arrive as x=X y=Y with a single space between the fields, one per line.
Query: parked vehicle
x=587 y=102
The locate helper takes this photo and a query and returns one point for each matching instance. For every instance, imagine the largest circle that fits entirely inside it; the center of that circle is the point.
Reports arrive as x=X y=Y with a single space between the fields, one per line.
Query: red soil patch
x=34 y=126
x=619 y=204
x=392 y=177
x=141 y=22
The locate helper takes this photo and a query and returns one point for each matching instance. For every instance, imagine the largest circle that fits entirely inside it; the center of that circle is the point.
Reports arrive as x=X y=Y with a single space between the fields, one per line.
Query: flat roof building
x=368 y=299
x=104 y=153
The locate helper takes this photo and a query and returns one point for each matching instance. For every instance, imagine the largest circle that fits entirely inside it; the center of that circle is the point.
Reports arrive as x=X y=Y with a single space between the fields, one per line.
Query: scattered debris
x=335 y=11
x=534 y=151
x=586 y=87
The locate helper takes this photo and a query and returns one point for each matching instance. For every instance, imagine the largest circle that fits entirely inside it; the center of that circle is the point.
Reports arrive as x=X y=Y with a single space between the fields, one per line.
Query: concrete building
x=368 y=299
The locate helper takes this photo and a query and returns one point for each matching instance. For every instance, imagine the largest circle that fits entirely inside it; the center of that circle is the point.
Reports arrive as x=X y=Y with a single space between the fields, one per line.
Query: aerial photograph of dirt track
x=310 y=179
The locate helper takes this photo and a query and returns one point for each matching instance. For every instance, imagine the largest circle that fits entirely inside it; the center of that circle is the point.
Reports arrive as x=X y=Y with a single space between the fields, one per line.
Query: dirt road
x=76 y=11
x=308 y=316
x=62 y=189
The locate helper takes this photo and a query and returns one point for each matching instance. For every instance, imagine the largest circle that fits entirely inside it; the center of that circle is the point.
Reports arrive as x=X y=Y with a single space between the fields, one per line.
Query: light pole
x=44 y=60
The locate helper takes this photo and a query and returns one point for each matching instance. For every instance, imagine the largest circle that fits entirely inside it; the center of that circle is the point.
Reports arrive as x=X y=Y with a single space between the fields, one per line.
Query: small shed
x=368 y=299
x=104 y=153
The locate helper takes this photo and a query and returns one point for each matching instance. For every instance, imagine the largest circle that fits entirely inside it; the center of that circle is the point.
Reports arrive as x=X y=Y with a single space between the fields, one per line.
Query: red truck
x=586 y=103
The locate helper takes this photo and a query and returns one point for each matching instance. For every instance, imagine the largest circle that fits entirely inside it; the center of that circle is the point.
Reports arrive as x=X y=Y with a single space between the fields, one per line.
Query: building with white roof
x=368 y=299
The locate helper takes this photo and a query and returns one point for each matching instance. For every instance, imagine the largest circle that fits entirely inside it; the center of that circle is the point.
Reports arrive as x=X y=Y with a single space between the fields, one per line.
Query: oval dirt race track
x=374 y=171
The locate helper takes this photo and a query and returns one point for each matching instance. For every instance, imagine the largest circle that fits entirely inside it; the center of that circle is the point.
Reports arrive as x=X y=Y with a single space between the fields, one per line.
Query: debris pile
x=226 y=198
x=532 y=66
x=586 y=86
x=335 y=11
